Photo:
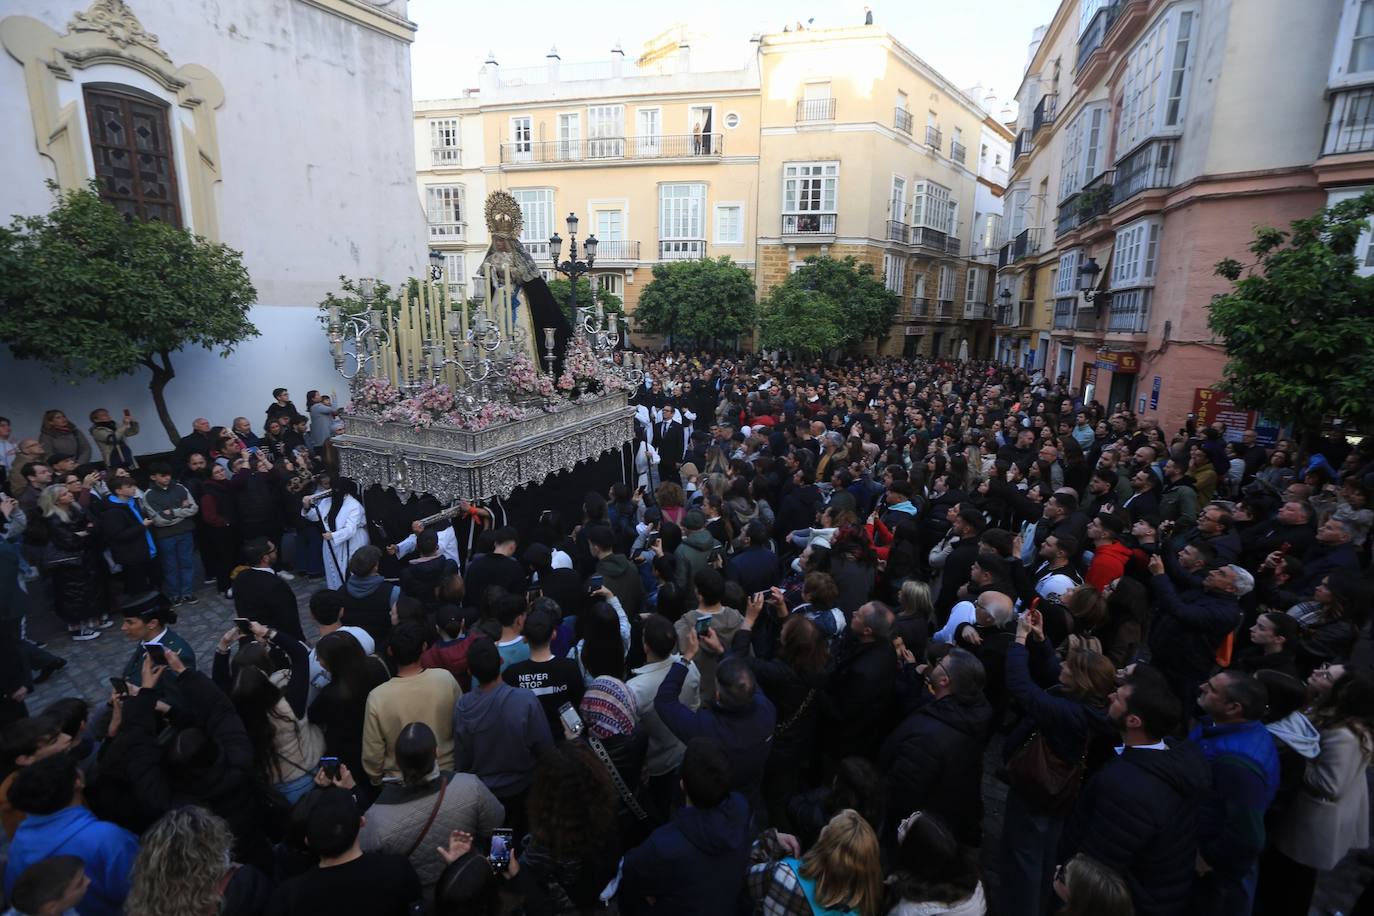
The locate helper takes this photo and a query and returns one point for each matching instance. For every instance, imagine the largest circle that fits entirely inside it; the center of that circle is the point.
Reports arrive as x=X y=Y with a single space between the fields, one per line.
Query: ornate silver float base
x=452 y=463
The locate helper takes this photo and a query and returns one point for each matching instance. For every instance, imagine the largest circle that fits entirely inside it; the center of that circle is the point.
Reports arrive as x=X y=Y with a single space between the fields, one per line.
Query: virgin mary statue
x=532 y=305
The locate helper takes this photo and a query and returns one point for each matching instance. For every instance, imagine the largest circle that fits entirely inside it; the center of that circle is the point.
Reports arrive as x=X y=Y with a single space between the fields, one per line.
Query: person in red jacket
x=1110 y=556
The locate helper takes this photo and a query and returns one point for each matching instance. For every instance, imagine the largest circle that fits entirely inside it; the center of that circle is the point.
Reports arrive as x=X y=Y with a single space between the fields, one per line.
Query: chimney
x=489 y=77
x=553 y=61
x=617 y=61
x=684 y=57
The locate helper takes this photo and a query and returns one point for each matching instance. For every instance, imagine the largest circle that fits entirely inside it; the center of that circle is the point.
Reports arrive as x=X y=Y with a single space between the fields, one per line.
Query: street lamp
x=1087 y=281
x=573 y=268
x=436 y=265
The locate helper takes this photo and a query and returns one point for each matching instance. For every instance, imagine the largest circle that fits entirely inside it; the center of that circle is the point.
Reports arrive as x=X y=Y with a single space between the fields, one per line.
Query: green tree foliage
x=1298 y=325
x=707 y=302
x=561 y=290
x=93 y=295
x=352 y=302
x=827 y=303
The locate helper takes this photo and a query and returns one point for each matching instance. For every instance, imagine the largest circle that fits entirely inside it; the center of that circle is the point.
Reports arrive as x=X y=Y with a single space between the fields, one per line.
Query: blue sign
x=1154 y=394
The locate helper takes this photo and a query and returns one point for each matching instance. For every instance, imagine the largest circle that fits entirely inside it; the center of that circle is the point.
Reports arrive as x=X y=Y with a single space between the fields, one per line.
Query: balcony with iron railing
x=538 y=249
x=679 y=249
x=610 y=251
x=944 y=309
x=925 y=237
x=1150 y=166
x=1097 y=30
x=447 y=231
x=1095 y=198
x=575 y=152
x=1064 y=314
x=898 y=231
x=1004 y=255
x=1025 y=244
x=957 y=152
x=934 y=137
x=920 y=306
x=1086 y=319
x=952 y=244
x=809 y=110
x=1350 y=125
x=1129 y=312
x=1006 y=316
x=977 y=311
x=1023 y=145
x=902 y=120
x=1044 y=112
x=445 y=156
x=808 y=224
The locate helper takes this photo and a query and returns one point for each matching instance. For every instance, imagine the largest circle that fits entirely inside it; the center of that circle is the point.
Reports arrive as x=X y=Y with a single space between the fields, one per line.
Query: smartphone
x=330 y=766
x=570 y=718
x=156 y=652
x=120 y=686
x=501 y=840
x=703 y=625
x=245 y=625
x=594 y=583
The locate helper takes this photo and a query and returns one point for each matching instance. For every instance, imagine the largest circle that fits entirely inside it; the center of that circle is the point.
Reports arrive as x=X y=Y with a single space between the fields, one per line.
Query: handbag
x=429 y=822
x=1048 y=782
x=782 y=727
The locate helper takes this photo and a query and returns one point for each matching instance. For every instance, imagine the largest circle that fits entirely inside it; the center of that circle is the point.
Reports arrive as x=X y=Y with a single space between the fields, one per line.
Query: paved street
x=91 y=664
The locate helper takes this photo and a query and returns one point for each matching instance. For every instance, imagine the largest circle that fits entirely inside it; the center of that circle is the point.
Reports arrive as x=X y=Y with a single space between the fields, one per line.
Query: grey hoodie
x=498 y=735
x=1301 y=735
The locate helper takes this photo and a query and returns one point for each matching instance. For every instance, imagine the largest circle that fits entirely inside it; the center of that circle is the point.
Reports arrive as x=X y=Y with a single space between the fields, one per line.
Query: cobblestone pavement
x=90 y=665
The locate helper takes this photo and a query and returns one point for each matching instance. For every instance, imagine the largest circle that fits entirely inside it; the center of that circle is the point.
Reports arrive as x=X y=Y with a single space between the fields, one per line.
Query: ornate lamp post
x=572 y=268
x=1087 y=279
x=436 y=265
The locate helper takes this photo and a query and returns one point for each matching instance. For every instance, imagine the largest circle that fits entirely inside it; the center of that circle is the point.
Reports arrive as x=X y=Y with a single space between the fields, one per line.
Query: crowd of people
x=774 y=670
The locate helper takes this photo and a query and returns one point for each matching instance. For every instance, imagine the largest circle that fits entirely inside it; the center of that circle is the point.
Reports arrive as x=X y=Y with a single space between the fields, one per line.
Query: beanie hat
x=608 y=708
x=694 y=520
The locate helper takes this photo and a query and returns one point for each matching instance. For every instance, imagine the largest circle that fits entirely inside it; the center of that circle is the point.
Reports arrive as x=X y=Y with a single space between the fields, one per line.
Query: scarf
x=147 y=534
x=120 y=453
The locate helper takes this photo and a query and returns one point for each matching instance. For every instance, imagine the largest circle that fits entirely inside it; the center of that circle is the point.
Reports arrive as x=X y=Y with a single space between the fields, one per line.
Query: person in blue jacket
x=696 y=863
x=49 y=792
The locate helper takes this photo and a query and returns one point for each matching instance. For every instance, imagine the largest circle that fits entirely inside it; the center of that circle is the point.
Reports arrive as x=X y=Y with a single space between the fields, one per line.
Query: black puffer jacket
x=73 y=581
x=1139 y=815
x=255 y=496
x=934 y=762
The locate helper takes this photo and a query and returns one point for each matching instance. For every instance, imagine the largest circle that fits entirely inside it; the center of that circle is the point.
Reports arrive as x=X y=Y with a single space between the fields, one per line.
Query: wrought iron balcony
x=957 y=152
x=1004 y=255
x=1064 y=314
x=952 y=244
x=1095 y=198
x=1086 y=318
x=1096 y=32
x=656 y=146
x=808 y=224
x=901 y=119
x=1044 y=112
x=815 y=110
x=1129 y=311
x=1023 y=145
x=1150 y=166
x=680 y=249
x=934 y=138
x=609 y=250
x=944 y=308
x=929 y=238
x=1025 y=244
x=920 y=306
x=1006 y=316
x=898 y=231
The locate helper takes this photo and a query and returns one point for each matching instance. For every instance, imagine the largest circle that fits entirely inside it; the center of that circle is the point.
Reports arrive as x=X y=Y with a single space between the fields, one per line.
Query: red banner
x=1211 y=406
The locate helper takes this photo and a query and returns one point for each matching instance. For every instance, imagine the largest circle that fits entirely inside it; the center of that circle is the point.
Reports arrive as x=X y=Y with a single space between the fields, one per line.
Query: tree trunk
x=162 y=374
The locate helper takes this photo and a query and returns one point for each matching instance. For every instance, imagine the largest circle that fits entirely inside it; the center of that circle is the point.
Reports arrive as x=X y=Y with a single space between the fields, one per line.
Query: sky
x=969 y=41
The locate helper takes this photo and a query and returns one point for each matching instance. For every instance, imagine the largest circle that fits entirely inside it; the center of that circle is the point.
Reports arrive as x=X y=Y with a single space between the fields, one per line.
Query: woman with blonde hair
x=184 y=868
x=1062 y=737
x=69 y=558
x=841 y=874
x=915 y=610
x=1089 y=888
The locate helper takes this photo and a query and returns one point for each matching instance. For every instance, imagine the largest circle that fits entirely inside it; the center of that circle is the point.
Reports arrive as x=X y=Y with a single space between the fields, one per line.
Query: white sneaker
x=289 y=577
x=85 y=635
x=229 y=592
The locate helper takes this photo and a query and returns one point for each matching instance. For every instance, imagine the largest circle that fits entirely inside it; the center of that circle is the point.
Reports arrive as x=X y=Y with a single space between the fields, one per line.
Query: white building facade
x=281 y=128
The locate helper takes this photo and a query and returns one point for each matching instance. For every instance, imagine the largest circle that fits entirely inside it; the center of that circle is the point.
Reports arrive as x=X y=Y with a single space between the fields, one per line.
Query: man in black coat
x=498 y=568
x=1293 y=524
x=1139 y=813
x=933 y=761
x=670 y=439
x=862 y=686
x=1188 y=629
x=959 y=564
x=198 y=440
x=261 y=595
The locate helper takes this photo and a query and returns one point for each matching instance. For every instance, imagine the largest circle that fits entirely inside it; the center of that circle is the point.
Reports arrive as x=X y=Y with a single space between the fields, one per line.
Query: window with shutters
x=946 y=283
x=729 y=224
x=522 y=139
x=536 y=210
x=894 y=272
x=613 y=283
x=1066 y=280
x=1135 y=254
x=131 y=144
x=976 y=285
x=444 y=206
x=1155 y=80
x=443 y=141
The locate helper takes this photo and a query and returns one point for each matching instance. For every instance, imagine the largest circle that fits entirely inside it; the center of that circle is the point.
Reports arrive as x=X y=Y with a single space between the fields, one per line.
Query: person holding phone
x=147 y=619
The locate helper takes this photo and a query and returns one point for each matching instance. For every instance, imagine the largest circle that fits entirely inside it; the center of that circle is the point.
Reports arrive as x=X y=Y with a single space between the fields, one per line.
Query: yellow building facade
x=829 y=142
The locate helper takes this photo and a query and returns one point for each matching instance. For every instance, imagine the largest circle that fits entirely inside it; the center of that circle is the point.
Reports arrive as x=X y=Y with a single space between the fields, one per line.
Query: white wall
x=318 y=165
